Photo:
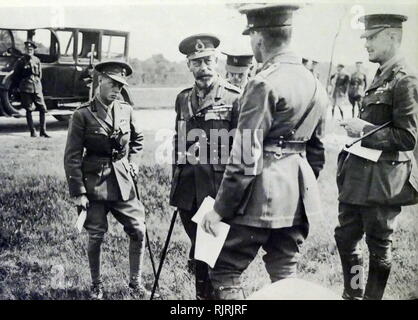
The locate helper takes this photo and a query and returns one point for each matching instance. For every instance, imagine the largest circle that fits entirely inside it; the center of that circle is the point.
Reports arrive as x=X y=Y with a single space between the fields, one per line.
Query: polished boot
x=376 y=282
x=42 y=123
x=31 y=127
x=353 y=272
x=204 y=289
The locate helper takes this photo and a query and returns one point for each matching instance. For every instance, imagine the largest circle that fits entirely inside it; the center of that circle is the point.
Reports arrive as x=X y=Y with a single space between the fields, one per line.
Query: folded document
x=207 y=246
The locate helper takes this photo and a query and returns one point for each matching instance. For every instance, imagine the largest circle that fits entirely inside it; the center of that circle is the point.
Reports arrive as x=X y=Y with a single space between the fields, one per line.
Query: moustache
x=200 y=76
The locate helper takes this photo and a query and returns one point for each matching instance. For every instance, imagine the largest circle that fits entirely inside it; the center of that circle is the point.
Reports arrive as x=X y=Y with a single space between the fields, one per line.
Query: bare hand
x=210 y=222
x=81 y=201
x=354 y=126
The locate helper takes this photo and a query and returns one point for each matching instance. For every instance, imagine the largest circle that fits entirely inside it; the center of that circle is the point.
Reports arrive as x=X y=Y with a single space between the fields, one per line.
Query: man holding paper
x=371 y=193
x=269 y=188
x=101 y=158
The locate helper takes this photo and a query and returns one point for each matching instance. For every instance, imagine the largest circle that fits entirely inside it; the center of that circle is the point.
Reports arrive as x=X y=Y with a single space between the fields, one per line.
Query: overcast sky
x=159 y=26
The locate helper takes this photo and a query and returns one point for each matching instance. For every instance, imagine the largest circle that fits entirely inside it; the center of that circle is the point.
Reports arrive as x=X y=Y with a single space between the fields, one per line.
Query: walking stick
x=164 y=253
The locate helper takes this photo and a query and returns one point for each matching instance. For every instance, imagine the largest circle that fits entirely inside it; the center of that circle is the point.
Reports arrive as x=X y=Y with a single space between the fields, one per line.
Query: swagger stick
x=348 y=145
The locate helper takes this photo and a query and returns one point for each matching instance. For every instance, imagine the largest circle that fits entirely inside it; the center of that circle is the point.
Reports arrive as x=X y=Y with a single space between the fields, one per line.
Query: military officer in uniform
x=237 y=69
x=211 y=104
x=371 y=193
x=28 y=74
x=101 y=163
x=339 y=89
x=266 y=201
x=356 y=87
x=314 y=65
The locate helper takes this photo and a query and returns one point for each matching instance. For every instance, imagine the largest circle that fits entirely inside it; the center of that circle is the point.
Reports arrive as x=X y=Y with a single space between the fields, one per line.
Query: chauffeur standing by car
x=101 y=161
x=28 y=74
x=371 y=193
x=265 y=198
x=199 y=161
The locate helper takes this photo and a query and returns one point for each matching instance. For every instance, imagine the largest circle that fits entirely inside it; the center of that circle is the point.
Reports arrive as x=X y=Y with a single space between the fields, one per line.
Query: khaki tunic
x=87 y=160
x=271 y=192
x=392 y=96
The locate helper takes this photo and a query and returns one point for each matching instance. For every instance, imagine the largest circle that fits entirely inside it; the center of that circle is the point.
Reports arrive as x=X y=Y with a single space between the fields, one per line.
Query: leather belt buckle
x=278 y=154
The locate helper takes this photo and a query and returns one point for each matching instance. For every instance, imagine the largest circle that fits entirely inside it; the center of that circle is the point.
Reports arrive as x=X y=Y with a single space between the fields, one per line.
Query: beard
x=204 y=81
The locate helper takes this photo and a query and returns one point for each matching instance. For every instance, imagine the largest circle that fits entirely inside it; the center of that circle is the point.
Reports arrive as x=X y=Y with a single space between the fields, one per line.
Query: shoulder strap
x=100 y=121
x=305 y=115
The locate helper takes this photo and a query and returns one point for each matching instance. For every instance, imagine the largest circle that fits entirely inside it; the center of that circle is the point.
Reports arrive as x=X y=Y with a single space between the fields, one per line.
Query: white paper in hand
x=208 y=247
x=80 y=220
x=205 y=207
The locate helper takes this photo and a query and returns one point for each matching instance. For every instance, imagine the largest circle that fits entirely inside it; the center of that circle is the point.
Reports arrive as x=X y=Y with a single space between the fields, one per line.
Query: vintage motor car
x=67 y=56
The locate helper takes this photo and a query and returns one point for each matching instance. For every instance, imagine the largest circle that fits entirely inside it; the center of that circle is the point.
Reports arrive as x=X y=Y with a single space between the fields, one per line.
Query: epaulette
x=269 y=70
x=399 y=71
x=83 y=105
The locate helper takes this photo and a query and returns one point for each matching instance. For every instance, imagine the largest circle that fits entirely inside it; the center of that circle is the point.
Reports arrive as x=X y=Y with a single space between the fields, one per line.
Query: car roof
x=106 y=31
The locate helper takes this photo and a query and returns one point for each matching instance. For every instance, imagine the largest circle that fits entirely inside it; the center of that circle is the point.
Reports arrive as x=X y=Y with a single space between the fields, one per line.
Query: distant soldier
x=357 y=85
x=28 y=74
x=340 y=82
x=371 y=193
x=281 y=120
x=314 y=65
x=100 y=161
x=211 y=103
x=238 y=69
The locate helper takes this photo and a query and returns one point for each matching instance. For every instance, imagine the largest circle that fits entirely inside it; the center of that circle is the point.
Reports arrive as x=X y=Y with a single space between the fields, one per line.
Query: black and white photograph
x=180 y=151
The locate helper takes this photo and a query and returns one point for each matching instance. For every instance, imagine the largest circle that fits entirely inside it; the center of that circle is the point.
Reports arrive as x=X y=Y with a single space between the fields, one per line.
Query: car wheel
x=10 y=102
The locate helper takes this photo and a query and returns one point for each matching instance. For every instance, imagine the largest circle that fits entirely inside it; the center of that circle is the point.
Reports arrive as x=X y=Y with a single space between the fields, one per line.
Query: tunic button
x=362 y=109
x=393 y=163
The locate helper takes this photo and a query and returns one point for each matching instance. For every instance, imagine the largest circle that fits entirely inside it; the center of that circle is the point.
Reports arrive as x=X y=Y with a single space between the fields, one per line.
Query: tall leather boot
x=42 y=124
x=378 y=276
x=353 y=272
x=31 y=127
x=204 y=289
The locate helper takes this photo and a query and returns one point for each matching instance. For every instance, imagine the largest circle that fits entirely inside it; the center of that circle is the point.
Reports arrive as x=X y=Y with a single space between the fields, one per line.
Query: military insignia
x=199 y=45
x=383 y=88
x=235 y=60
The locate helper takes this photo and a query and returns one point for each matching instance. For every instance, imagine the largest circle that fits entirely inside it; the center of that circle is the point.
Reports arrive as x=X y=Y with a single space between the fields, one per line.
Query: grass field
x=42 y=256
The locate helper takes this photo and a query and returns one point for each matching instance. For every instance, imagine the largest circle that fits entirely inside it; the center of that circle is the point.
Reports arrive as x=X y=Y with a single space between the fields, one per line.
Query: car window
x=20 y=38
x=5 y=41
x=113 y=46
x=66 y=41
x=42 y=38
x=85 y=41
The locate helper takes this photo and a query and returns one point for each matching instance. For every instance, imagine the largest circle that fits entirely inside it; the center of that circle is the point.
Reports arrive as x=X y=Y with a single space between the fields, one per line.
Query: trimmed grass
x=42 y=256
